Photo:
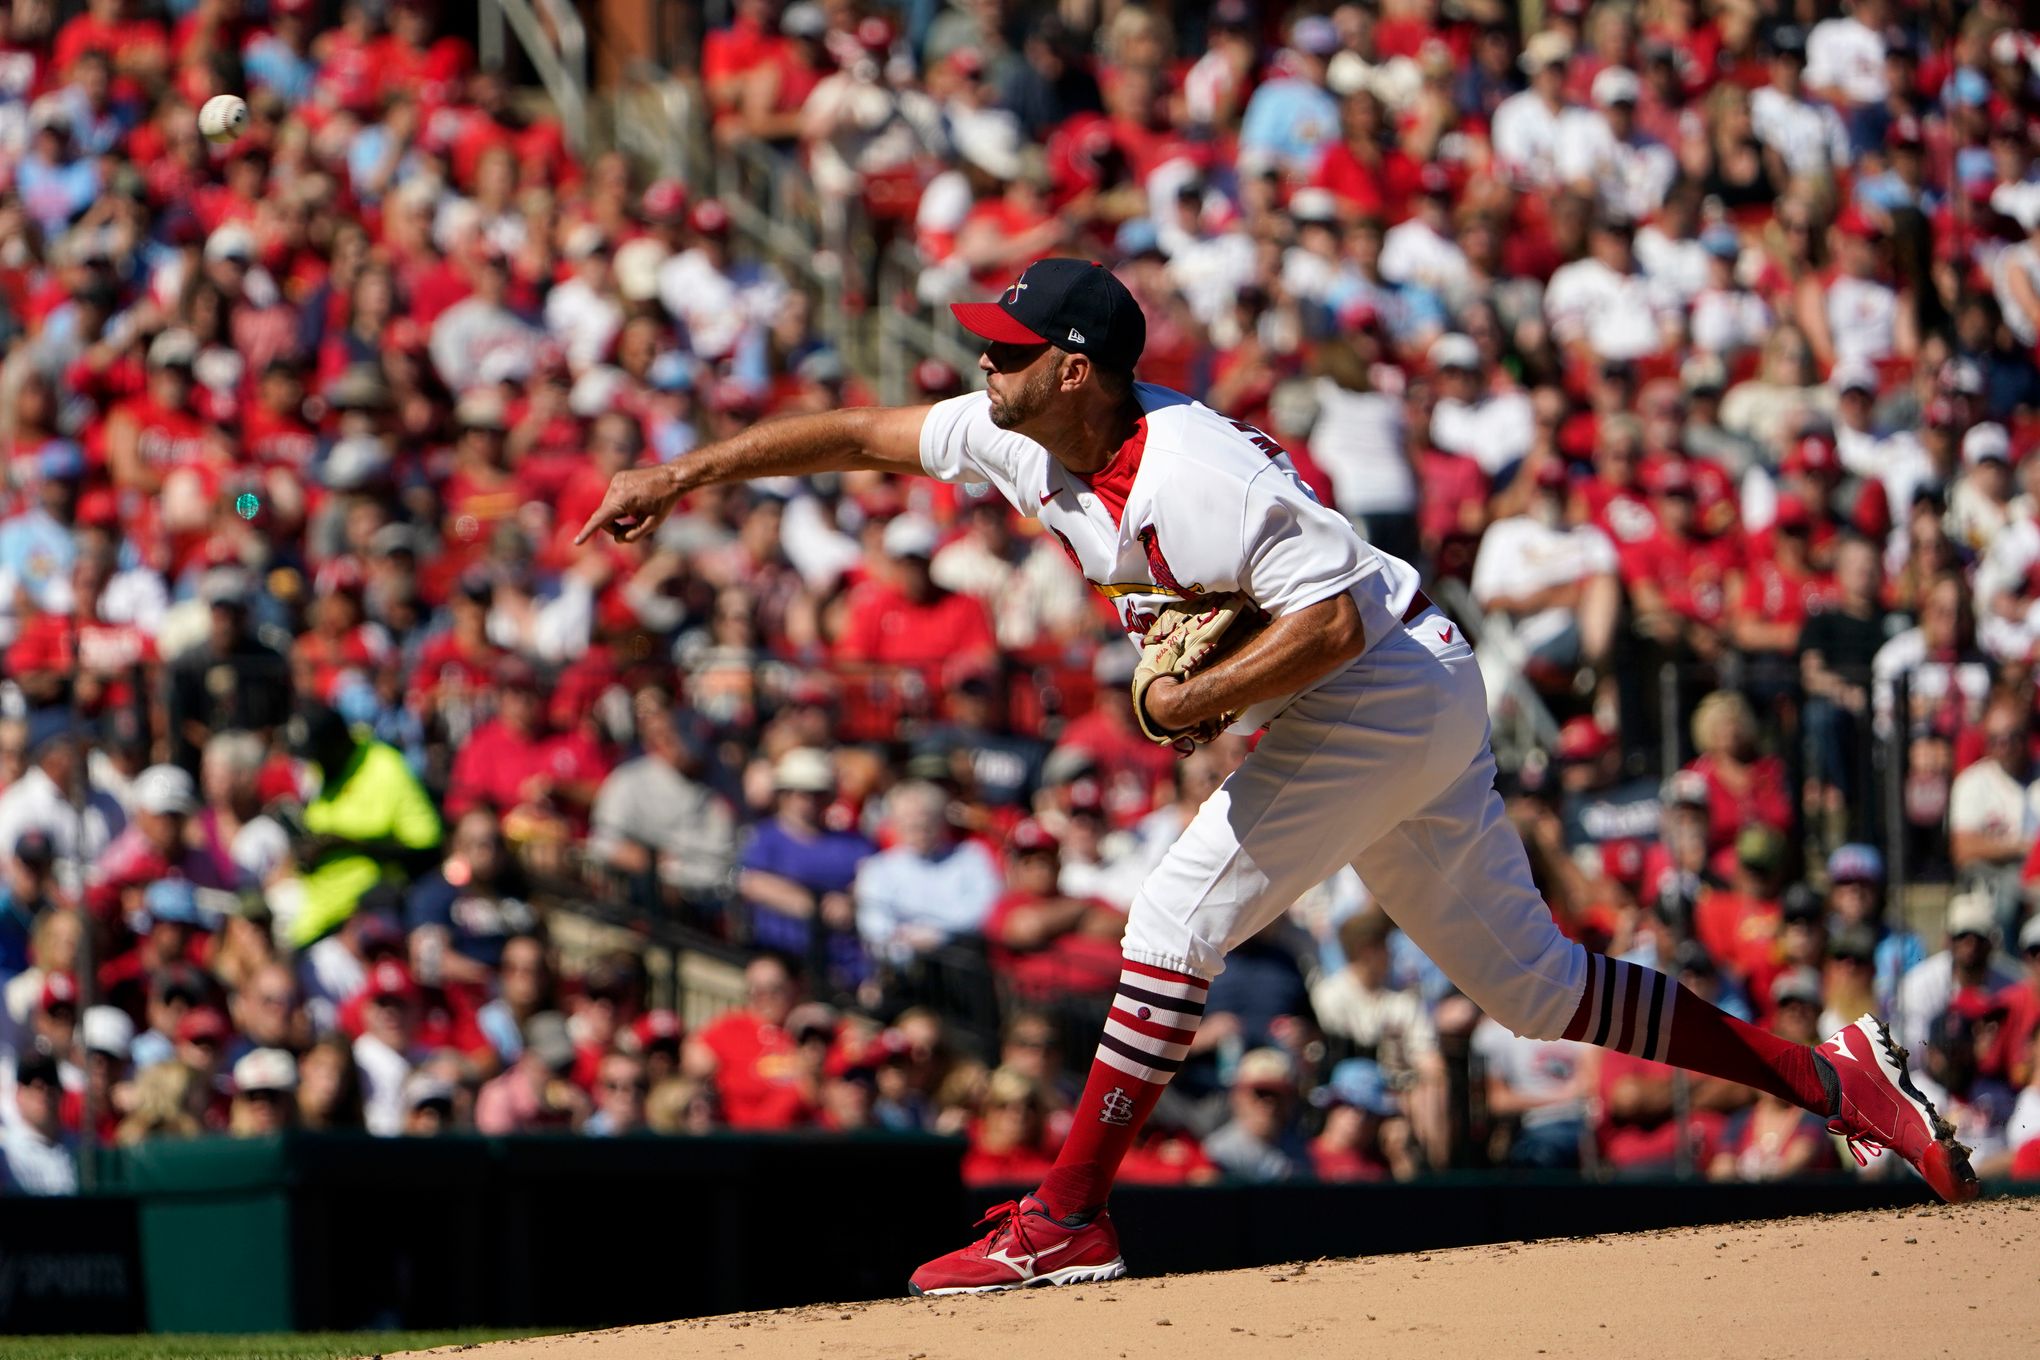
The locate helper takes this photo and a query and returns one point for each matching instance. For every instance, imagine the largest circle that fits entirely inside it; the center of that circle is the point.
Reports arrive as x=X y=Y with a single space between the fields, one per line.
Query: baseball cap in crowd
x=1691 y=956
x=1855 y=863
x=35 y=849
x=2029 y=934
x=61 y=461
x=1073 y=304
x=58 y=989
x=804 y=770
x=1853 y=375
x=49 y=726
x=910 y=536
x=424 y=1089
x=360 y=387
x=174 y=348
x=1453 y=350
x=482 y=409
x=655 y=1029
x=803 y=19
x=665 y=200
x=1853 y=221
x=1904 y=134
x=1314 y=205
x=545 y=1035
x=1788 y=40
x=1801 y=985
x=174 y=901
x=203 y=1026
x=1972 y=913
x=935 y=378
x=107 y=1029
x=1801 y=906
x=37 y=1068
x=1986 y=442
x=265 y=1069
x=1855 y=942
x=1029 y=837
x=1792 y=516
x=390 y=979
x=636 y=268
x=353 y=462
x=1759 y=848
x=1583 y=738
x=1114 y=666
x=230 y=241
x=1616 y=85
x=1813 y=454
x=1315 y=34
x=1669 y=477
x=1722 y=242
x=709 y=218
x=1704 y=373
x=1265 y=1069
x=165 y=790
x=1546 y=49
x=1356 y=1082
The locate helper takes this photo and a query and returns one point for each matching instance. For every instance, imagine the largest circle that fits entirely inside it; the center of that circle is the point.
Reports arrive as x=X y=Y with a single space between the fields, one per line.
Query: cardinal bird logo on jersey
x=1158 y=566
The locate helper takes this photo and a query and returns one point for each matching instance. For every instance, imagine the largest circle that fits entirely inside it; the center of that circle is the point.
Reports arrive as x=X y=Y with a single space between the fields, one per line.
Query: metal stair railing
x=553 y=38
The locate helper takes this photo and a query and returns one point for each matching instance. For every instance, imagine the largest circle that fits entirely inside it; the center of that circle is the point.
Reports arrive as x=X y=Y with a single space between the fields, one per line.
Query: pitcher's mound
x=1916 y=1282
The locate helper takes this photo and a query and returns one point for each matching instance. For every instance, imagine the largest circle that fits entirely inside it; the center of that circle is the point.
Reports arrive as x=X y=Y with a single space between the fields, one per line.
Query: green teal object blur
x=247 y=504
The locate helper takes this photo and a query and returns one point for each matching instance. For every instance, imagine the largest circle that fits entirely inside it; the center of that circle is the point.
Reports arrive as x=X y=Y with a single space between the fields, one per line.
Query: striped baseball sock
x=1642 y=1012
x=1154 y=1015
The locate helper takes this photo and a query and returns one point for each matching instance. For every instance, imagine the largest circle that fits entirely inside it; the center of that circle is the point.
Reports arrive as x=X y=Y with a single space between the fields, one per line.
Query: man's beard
x=1025 y=404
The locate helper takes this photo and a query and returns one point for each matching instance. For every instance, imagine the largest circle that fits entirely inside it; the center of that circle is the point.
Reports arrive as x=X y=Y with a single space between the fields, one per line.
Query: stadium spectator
x=796 y=870
x=370 y=812
x=536 y=1093
x=1006 y=1146
x=929 y=887
x=1047 y=943
x=38 y=1155
x=746 y=1054
x=1262 y=1141
x=620 y=1090
x=1994 y=806
x=1548 y=584
x=386 y=1051
x=654 y=815
x=1364 y=1138
x=1969 y=963
x=1544 y=1088
x=265 y=1094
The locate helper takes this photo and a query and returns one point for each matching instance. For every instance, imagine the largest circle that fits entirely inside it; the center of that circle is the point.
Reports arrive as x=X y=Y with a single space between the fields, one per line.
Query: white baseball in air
x=223 y=119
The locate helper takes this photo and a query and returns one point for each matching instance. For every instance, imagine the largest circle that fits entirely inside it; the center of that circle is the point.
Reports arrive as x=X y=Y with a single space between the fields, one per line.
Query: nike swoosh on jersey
x=1446 y=636
x=1047 y=496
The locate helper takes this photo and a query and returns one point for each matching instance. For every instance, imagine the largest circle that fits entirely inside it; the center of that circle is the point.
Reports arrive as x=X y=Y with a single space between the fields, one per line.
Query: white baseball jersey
x=1193 y=504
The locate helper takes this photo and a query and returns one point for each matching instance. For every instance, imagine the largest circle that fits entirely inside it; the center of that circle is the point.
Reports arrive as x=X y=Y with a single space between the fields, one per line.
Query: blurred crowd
x=1695 y=343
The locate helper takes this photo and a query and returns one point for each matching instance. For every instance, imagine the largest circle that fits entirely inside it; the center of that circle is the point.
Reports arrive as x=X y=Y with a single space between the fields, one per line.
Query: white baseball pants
x=1386 y=767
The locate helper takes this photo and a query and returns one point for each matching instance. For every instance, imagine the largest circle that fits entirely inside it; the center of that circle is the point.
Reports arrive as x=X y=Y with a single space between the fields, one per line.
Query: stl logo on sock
x=1118 y=1107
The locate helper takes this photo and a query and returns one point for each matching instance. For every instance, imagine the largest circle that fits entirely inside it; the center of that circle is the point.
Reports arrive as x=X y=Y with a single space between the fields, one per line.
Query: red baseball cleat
x=1025 y=1247
x=1881 y=1108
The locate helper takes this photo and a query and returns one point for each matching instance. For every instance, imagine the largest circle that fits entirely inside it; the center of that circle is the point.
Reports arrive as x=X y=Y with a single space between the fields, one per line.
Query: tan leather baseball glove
x=1185 y=637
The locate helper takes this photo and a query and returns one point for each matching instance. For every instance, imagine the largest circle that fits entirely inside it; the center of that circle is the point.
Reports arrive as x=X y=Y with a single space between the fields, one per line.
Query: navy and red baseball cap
x=1072 y=304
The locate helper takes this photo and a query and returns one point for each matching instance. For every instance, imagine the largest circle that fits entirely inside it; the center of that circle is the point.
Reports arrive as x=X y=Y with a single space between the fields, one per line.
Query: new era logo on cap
x=1077 y=300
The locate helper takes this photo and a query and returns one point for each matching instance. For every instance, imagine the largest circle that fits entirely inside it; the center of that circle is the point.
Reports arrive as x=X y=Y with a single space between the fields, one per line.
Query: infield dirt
x=1916 y=1282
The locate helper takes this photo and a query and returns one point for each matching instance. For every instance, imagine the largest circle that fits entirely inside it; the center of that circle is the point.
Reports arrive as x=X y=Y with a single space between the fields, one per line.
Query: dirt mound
x=1920 y=1282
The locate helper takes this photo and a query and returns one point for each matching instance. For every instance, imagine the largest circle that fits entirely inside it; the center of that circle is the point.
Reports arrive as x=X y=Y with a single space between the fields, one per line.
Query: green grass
x=257 y=1346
